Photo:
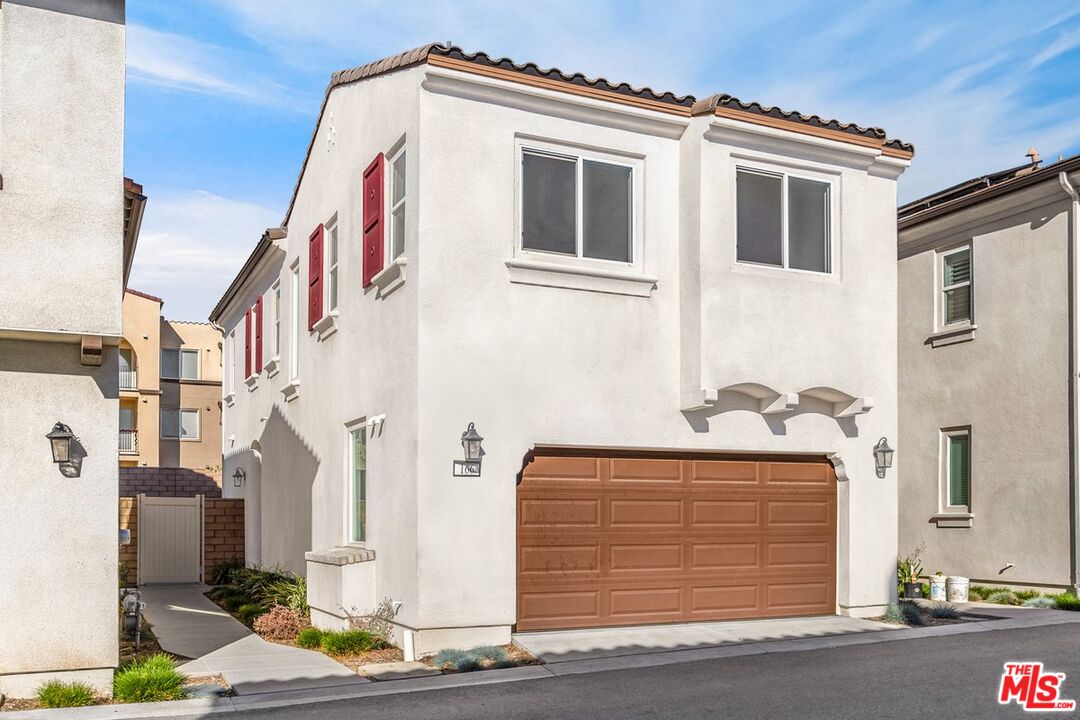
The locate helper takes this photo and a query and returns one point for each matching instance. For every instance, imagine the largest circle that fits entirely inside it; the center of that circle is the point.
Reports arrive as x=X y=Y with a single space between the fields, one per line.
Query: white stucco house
x=988 y=376
x=68 y=227
x=672 y=320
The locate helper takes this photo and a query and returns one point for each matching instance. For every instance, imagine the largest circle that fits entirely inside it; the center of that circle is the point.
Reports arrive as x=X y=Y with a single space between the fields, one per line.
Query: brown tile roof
x=148 y=296
x=981 y=188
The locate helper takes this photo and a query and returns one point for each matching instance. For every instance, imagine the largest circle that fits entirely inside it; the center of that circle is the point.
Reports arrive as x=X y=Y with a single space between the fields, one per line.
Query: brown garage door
x=610 y=539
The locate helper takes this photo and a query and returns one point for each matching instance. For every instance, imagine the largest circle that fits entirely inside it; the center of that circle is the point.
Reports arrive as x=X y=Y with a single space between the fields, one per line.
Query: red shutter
x=372 y=221
x=247 y=344
x=258 y=334
x=315 y=262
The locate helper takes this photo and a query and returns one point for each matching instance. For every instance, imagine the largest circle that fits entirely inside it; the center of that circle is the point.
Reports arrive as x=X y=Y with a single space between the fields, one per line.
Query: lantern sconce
x=883 y=456
x=471 y=443
x=67 y=451
x=238 y=477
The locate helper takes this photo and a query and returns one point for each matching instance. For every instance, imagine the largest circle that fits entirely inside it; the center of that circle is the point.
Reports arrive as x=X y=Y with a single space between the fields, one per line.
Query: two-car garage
x=613 y=538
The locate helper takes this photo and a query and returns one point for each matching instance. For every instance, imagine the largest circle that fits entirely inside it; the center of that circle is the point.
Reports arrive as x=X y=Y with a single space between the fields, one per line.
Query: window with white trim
x=954 y=277
x=179 y=364
x=275 y=319
x=356 y=467
x=230 y=371
x=956 y=452
x=297 y=323
x=783 y=220
x=577 y=205
x=330 y=254
x=396 y=238
x=179 y=423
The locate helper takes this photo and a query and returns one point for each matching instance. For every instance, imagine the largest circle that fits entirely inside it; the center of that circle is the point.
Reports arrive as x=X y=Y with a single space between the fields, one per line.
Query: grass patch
x=56 y=694
x=350 y=642
x=1003 y=597
x=1067 y=601
x=154 y=679
x=310 y=638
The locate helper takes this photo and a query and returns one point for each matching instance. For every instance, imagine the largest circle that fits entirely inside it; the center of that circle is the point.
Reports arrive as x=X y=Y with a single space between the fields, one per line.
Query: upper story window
x=396 y=238
x=127 y=370
x=230 y=368
x=331 y=255
x=955 y=286
x=577 y=205
x=180 y=423
x=275 y=319
x=297 y=322
x=180 y=364
x=783 y=220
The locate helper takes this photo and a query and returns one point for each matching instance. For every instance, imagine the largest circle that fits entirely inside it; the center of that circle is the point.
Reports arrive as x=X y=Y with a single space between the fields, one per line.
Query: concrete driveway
x=187 y=623
x=590 y=644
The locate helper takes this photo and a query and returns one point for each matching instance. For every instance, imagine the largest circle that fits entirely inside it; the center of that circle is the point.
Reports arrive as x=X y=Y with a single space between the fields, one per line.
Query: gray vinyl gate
x=170 y=539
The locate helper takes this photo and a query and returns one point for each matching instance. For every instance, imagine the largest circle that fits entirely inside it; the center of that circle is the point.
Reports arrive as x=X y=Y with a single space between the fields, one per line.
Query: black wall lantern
x=67 y=452
x=471 y=443
x=883 y=455
x=238 y=477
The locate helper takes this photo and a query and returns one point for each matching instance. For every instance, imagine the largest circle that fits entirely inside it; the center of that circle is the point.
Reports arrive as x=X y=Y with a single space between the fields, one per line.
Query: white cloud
x=192 y=245
x=1065 y=42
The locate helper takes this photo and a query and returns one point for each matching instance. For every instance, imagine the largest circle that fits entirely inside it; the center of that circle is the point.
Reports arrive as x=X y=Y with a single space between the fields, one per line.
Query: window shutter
x=315 y=263
x=247 y=344
x=372 y=219
x=258 y=334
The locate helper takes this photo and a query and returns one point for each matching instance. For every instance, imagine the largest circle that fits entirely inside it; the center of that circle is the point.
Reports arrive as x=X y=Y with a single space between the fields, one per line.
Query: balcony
x=129 y=442
x=128 y=380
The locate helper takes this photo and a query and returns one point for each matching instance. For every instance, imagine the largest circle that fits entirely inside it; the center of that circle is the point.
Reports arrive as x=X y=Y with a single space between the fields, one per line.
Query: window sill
x=391 y=277
x=952 y=336
x=252 y=382
x=272 y=366
x=953 y=520
x=291 y=391
x=230 y=399
x=326 y=327
x=571 y=277
x=346 y=555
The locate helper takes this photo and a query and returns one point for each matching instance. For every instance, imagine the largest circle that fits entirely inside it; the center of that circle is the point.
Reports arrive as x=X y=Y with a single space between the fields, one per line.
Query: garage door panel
x=676 y=539
x=556 y=470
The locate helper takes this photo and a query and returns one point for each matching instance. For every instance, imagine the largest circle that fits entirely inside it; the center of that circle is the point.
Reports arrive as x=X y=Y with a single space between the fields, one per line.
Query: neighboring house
x=988 y=376
x=170 y=390
x=68 y=229
x=679 y=407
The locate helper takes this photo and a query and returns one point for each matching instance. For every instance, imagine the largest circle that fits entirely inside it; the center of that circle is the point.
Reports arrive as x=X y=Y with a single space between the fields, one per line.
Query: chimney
x=1033 y=155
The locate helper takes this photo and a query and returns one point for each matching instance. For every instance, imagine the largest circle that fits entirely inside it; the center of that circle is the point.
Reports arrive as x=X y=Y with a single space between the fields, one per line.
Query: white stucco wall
x=1009 y=384
x=61 y=155
x=539 y=365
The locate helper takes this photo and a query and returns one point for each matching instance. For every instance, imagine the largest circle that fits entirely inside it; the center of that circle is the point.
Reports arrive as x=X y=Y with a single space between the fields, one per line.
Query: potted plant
x=908 y=571
x=937 y=587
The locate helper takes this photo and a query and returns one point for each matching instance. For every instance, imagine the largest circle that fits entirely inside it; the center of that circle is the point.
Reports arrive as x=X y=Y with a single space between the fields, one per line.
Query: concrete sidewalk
x=187 y=623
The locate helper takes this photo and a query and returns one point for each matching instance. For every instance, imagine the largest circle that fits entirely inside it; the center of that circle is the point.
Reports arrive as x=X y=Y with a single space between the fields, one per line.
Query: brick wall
x=168 y=482
x=223 y=534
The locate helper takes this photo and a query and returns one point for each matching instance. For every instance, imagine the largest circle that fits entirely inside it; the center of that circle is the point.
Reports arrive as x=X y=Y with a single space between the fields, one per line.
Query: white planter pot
x=957 y=587
x=937 y=588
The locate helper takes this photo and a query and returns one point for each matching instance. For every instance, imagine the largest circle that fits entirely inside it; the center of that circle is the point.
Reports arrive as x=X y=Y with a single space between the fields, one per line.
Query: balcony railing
x=129 y=441
x=128 y=380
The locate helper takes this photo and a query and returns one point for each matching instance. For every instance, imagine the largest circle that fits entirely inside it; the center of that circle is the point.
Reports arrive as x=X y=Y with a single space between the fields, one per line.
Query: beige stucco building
x=68 y=226
x=170 y=390
x=988 y=376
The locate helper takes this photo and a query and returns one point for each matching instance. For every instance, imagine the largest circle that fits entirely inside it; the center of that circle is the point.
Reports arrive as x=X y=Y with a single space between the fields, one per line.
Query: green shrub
x=982 y=590
x=1003 y=597
x=1067 y=601
x=974 y=595
x=912 y=614
x=491 y=653
x=151 y=680
x=222 y=573
x=310 y=638
x=1026 y=594
x=350 y=642
x=926 y=590
x=448 y=659
x=280 y=623
x=944 y=611
x=1043 y=603
x=56 y=694
x=893 y=615
x=249 y=612
x=289 y=591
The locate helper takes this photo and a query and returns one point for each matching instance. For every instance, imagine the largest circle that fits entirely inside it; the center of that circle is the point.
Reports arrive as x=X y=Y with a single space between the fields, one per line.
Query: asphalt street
x=942 y=677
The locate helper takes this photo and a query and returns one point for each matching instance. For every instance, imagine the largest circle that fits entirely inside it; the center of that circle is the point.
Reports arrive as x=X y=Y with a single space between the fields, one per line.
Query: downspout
x=1074 y=384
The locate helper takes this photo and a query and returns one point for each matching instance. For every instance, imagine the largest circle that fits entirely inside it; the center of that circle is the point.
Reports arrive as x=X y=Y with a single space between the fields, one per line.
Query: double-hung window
x=297 y=323
x=357 y=469
x=783 y=220
x=955 y=286
x=957 y=457
x=230 y=370
x=396 y=240
x=577 y=206
x=180 y=364
x=275 y=318
x=180 y=423
x=331 y=255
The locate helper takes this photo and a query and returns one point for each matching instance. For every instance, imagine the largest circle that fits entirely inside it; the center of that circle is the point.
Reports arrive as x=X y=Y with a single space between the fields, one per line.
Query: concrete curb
x=208 y=706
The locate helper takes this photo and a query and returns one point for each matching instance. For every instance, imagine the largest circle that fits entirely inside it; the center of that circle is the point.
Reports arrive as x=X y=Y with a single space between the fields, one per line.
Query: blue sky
x=222 y=94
